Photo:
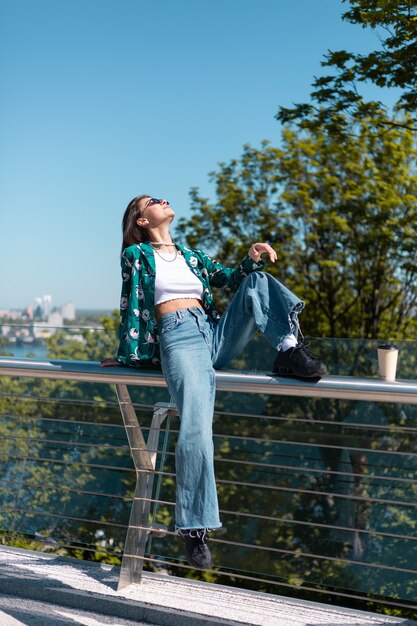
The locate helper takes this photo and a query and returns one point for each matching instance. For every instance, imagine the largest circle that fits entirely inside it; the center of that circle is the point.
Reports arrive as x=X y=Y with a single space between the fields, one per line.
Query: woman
x=168 y=318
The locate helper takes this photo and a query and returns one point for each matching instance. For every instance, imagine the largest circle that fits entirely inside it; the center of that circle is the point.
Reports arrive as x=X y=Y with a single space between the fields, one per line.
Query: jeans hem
x=293 y=322
x=198 y=527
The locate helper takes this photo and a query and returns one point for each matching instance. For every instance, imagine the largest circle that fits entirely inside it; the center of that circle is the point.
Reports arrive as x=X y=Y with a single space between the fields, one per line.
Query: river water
x=23 y=350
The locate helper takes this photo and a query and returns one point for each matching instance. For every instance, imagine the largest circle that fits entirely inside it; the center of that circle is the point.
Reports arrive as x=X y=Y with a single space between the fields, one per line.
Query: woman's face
x=155 y=211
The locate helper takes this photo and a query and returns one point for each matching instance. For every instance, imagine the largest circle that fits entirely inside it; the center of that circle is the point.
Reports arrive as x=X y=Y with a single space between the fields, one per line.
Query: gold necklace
x=161 y=257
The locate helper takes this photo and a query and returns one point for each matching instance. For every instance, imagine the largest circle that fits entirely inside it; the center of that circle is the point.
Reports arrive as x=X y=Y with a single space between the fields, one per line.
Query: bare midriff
x=179 y=304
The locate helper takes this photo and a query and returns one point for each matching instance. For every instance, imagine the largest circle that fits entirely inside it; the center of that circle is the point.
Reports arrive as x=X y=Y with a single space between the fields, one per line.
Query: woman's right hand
x=257 y=249
x=109 y=362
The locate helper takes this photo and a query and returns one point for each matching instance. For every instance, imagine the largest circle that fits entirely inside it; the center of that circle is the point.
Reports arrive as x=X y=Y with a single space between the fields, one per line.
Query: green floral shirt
x=138 y=335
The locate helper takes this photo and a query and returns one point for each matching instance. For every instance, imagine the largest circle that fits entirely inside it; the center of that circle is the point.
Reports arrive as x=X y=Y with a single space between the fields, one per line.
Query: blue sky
x=102 y=100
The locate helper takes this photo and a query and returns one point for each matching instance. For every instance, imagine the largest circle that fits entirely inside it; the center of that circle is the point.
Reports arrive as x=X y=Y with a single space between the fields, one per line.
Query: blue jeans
x=192 y=347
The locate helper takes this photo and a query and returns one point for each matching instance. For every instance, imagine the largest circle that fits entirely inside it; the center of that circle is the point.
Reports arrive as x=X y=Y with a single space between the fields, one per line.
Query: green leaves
x=341 y=215
x=393 y=65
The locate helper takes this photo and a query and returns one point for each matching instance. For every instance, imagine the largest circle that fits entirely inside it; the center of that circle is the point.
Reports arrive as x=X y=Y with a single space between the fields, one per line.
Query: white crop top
x=174 y=279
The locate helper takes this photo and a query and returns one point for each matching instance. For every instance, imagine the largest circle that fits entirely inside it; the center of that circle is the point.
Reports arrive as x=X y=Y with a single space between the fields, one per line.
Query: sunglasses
x=152 y=201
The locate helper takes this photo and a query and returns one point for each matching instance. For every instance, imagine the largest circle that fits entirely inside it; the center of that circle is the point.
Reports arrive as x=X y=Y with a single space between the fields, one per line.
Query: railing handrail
x=337 y=387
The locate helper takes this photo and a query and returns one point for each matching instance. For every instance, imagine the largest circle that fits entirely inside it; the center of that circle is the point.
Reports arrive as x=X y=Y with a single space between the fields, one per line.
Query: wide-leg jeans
x=192 y=347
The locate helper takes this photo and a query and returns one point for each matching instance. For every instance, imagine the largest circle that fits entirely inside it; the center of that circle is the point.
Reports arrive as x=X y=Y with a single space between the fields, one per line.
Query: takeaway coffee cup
x=387 y=361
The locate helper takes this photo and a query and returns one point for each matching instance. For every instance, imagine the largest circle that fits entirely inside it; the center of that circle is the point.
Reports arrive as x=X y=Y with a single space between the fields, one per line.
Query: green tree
x=89 y=345
x=393 y=65
x=342 y=217
x=336 y=97
x=356 y=206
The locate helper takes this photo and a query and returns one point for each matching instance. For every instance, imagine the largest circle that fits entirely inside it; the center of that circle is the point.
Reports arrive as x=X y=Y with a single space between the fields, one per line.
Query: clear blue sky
x=102 y=100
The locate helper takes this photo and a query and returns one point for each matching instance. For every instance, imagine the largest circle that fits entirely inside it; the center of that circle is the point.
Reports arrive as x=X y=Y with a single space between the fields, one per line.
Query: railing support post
x=144 y=456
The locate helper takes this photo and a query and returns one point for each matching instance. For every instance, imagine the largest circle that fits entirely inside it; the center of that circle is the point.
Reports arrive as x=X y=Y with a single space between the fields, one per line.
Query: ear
x=142 y=222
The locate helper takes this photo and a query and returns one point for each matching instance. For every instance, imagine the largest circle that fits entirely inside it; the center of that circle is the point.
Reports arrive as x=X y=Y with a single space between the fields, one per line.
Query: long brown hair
x=132 y=233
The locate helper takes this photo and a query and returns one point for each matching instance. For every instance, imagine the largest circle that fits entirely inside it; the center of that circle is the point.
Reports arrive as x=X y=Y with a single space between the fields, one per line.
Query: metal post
x=144 y=458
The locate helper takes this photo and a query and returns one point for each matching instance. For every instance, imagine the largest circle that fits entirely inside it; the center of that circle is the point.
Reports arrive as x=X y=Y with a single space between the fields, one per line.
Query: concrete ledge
x=161 y=599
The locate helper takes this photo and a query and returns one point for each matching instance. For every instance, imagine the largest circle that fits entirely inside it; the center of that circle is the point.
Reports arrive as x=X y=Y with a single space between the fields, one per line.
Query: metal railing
x=337 y=387
x=294 y=473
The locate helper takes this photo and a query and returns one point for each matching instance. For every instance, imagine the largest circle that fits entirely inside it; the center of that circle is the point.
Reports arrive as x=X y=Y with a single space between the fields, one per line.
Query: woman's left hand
x=257 y=249
x=109 y=362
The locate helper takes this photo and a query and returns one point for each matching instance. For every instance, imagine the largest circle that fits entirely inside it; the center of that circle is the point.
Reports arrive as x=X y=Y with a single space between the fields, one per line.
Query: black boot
x=298 y=362
x=197 y=551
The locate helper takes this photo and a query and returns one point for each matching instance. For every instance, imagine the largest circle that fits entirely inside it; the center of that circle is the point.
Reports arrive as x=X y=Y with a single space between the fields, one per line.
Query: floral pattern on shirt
x=138 y=334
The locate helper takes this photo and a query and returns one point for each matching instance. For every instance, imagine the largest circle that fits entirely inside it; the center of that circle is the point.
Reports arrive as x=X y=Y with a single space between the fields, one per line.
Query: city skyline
x=42 y=307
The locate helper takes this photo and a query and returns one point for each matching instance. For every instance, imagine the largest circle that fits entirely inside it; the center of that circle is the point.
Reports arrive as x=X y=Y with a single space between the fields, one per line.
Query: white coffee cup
x=387 y=361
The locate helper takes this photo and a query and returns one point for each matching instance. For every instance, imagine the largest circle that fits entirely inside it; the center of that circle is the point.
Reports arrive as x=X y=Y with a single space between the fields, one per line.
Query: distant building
x=46 y=306
x=5 y=330
x=55 y=320
x=68 y=311
x=37 y=308
x=27 y=313
x=43 y=330
x=11 y=314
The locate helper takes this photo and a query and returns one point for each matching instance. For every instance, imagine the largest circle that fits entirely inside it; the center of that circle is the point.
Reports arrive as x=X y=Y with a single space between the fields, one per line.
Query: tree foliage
x=392 y=65
x=341 y=215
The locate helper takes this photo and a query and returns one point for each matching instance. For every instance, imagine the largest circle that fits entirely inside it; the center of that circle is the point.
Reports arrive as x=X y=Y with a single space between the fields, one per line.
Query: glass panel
x=344 y=357
x=327 y=503
x=315 y=494
x=40 y=341
x=68 y=477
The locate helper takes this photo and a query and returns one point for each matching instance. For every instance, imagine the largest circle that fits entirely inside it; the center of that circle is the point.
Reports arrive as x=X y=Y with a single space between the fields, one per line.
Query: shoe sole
x=208 y=566
x=310 y=377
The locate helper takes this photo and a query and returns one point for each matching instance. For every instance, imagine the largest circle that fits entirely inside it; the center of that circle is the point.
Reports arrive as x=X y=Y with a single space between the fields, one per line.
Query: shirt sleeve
x=226 y=277
x=126 y=271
